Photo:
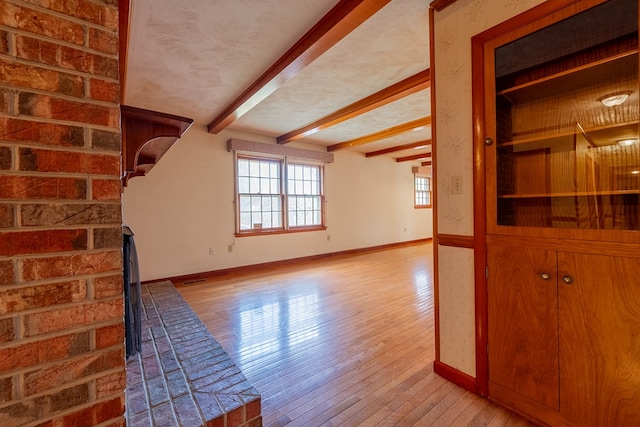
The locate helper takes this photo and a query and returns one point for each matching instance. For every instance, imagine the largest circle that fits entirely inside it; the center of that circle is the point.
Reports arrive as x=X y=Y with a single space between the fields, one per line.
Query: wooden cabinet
x=563 y=335
x=562 y=170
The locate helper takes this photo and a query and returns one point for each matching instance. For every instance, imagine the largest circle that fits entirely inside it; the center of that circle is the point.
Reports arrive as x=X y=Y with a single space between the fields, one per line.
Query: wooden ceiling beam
x=383 y=134
x=425 y=164
x=333 y=27
x=399 y=148
x=413 y=157
x=406 y=87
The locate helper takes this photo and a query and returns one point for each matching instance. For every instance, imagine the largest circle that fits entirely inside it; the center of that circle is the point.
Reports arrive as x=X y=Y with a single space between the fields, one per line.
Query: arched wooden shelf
x=146 y=136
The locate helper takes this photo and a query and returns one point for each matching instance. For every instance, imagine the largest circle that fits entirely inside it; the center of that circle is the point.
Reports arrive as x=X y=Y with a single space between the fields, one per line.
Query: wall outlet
x=456 y=185
x=230 y=248
x=328 y=237
x=212 y=251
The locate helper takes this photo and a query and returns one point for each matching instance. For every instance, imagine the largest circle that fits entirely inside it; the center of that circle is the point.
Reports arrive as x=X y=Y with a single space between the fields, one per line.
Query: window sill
x=249 y=233
x=422 y=207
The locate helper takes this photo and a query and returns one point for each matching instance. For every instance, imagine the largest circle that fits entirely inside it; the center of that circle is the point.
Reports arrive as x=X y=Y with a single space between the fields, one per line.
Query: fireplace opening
x=132 y=294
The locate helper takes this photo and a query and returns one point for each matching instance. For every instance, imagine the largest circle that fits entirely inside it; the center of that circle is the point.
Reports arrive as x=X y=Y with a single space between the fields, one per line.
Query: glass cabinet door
x=566 y=97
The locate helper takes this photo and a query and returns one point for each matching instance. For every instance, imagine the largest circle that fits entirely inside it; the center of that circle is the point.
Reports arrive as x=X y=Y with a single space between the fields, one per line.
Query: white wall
x=184 y=207
x=454 y=28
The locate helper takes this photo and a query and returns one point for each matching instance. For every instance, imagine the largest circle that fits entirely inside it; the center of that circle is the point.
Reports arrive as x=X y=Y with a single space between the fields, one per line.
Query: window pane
x=245 y=204
x=264 y=169
x=265 y=186
x=276 y=220
x=254 y=185
x=243 y=167
x=266 y=204
x=266 y=223
x=243 y=184
x=254 y=168
x=245 y=221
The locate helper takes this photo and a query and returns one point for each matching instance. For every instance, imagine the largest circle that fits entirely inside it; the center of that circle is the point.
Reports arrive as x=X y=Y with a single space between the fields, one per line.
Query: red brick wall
x=61 y=308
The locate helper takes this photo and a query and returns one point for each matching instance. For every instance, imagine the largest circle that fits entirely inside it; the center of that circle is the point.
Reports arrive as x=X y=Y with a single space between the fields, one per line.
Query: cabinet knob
x=567 y=279
x=545 y=276
x=488 y=141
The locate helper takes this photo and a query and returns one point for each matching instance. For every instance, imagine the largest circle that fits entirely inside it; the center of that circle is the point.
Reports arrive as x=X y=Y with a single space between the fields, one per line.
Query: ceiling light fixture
x=418 y=128
x=626 y=142
x=614 y=99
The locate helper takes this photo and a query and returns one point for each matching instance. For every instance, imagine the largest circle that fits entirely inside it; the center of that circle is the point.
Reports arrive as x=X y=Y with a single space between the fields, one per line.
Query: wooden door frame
x=478 y=46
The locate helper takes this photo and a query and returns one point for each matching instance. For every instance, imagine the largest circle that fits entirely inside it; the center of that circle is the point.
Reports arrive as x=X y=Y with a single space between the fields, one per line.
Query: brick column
x=61 y=304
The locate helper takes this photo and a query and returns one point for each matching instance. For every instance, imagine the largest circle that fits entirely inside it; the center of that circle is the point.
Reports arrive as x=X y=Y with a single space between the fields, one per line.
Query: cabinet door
x=599 y=321
x=523 y=327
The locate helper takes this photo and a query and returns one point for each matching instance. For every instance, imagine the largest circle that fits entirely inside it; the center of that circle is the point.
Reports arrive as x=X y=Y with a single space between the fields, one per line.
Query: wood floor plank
x=341 y=341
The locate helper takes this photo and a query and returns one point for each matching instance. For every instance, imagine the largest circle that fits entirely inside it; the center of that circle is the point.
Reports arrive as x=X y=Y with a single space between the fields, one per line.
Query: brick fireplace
x=61 y=311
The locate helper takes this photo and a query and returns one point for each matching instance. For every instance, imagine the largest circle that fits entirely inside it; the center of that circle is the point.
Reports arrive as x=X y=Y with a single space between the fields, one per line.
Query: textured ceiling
x=193 y=58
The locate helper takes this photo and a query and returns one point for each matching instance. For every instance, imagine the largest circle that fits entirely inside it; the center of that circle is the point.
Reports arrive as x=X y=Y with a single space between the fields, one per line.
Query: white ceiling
x=193 y=58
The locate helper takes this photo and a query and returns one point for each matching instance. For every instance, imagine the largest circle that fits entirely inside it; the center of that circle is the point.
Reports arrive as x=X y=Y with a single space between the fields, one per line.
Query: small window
x=422 y=192
x=263 y=197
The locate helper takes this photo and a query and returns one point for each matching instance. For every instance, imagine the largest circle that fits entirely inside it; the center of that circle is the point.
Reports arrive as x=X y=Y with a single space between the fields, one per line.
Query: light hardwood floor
x=343 y=341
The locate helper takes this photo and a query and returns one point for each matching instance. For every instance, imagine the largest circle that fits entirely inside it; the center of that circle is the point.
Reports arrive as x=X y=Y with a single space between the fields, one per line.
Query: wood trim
x=124 y=16
x=434 y=186
x=383 y=134
x=520 y=21
x=438 y=5
x=333 y=27
x=480 y=218
x=406 y=87
x=413 y=157
x=456 y=241
x=234 y=271
x=425 y=164
x=455 y=376
x=146 y=137
x=399 y=148
x=267 y=231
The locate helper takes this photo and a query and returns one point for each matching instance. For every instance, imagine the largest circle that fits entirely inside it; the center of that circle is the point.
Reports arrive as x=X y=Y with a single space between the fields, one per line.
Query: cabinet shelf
x=600 y=136
x=567 y=72
x=569 y=194
x=613 y=50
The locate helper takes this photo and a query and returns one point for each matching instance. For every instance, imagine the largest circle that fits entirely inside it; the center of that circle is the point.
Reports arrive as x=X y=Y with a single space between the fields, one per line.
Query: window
x=422 y=192
x=304 y=195
x=263 y=198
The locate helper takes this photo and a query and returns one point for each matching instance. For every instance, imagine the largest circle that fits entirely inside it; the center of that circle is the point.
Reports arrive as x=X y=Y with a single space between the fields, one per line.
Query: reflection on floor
x=342 y=341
